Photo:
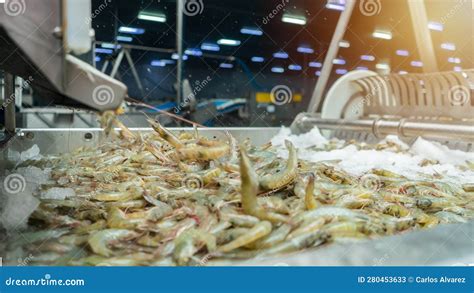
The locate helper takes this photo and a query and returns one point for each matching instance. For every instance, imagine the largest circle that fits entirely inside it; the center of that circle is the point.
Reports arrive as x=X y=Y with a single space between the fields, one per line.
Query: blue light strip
x=124 y=39
x=281 y=55
x=258 y=59
x=367 y=57
x=193 y=52
x=210 y=47
x=402 y=53
x=251 y=31
x=305 y=50
x=226 y=65
x=131 y=30
x=278 y=69
x=104 y=51
x=315 y=64
x=294 y=67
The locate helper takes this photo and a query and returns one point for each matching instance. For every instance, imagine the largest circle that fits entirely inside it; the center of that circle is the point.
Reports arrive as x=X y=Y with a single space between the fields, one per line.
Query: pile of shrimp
x=184 y=199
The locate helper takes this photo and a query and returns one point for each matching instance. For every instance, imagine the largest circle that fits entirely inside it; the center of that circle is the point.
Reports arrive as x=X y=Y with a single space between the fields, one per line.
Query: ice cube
x=58 y=193
x=17 y=210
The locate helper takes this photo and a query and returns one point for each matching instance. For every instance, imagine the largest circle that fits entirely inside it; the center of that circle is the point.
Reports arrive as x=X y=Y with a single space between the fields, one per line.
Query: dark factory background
x=245 y=47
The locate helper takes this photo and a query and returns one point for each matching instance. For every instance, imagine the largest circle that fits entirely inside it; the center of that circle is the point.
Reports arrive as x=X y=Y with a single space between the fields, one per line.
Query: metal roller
x=432 y=105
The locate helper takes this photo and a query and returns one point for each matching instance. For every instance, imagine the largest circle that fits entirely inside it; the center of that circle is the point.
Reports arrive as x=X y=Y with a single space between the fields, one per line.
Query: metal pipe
x=10 y=122
x=117 y=63
x=330 y=55
x=134 y=71
x=403 y=127
x=179 y=47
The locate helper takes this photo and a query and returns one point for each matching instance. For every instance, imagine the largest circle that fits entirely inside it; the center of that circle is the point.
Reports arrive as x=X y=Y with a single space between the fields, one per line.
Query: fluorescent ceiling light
x=131 y=30
x=317 y=73
x=367 y=58
x=210 y=47
x=315 y=64
x=382 y=66
x=193 y=52
x=344 y=44
x=124 y=39
x=278 y=69
x=158 y=17
x=226 y=65
x=110 y=46
x=435 y=26
x=294 y=19
x=281 y=55
x=454 y=60
x=251 y=31
x=362 y=68
x=402 y=72
x=257 y=59
x=457 y=68
x=103 y=51
x=175 y=56
x=379 y=34
x=305 y=50
x=338 y=7
x=448 y=46
x=339 y=61
x=341 y=71
x=416 y=64
x=97 y=58
x=294 y=67
x=228 y=42
x=158 y=63
x=167 y=61
x=402 y=53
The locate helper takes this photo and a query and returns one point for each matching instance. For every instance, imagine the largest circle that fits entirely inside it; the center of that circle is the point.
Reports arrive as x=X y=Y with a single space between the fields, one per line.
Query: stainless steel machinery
x=39 y=43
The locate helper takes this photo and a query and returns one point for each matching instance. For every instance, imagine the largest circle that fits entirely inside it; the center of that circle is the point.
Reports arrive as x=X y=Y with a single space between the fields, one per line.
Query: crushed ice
x=357 y=162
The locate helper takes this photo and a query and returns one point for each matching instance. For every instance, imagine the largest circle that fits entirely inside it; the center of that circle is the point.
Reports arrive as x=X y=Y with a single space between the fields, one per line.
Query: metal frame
x=383 y=127
x=179 y=47
x=124 y=52
x=419 y=20
x=331 y=54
